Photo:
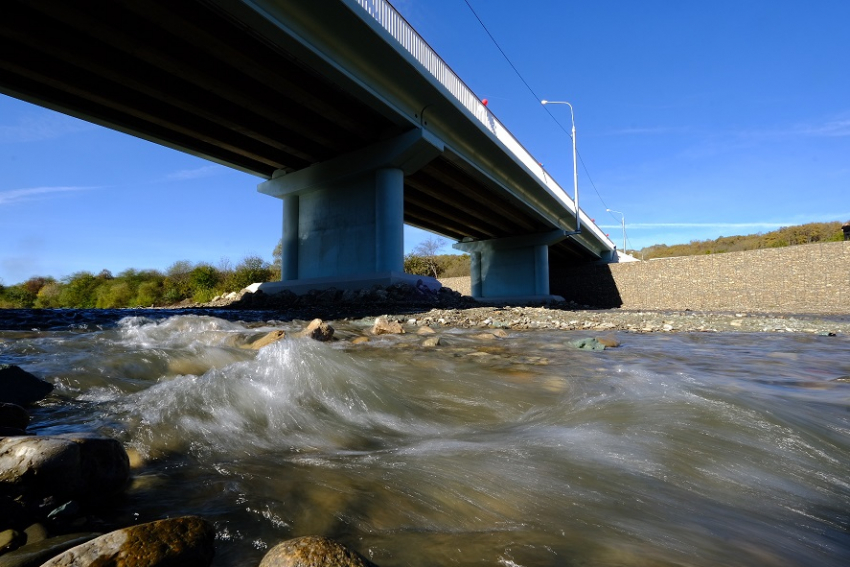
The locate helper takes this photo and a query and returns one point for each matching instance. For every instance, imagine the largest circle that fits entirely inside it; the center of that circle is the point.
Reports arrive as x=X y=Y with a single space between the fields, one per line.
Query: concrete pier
x=343 y=220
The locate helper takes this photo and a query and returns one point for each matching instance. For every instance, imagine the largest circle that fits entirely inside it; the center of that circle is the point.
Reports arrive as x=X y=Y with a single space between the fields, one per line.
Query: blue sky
x=694 y=119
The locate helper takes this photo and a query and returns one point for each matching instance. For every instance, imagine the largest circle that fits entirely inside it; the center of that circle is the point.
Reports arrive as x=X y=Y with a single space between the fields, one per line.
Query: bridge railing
x=394 y=23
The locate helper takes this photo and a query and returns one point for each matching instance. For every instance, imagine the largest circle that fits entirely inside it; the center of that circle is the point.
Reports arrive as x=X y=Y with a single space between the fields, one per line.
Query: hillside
x=785 y=236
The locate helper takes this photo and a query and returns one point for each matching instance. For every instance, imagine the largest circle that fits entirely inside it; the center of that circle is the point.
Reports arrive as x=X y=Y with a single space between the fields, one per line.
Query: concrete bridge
x=339 y=105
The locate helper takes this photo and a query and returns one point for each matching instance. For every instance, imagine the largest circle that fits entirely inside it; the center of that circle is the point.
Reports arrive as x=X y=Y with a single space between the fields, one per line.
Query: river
x=697 y=449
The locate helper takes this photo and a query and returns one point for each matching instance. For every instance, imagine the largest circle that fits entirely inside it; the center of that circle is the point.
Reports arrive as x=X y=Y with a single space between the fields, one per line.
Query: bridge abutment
x=343 y=220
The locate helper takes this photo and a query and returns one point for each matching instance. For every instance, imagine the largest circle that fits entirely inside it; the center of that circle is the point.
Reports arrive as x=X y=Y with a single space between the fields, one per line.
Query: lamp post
x=624 y=226
x=575 y=163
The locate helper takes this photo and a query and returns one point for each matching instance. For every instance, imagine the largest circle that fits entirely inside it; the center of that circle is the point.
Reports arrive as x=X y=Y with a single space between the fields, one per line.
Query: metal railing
x=394 y=23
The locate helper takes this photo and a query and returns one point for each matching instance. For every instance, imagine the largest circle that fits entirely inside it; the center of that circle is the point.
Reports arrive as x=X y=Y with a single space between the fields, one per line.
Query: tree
x=425 y=255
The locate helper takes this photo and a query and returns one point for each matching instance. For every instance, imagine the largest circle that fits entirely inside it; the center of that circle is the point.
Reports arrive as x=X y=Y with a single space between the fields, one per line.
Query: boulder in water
x=93 y=467
x=267 y=339
x=186 y=541
x=587 y=344
x=384 y=326
x=318 y=330
x=313 y=551
x=33 y=554
x=19 y=387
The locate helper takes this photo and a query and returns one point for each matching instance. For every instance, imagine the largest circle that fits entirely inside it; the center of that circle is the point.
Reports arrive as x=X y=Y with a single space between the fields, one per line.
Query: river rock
x=608 y=342
x=318 y=330
x=425 y=330
x=384 y=326
x=587 y=344
x=313 y=551
x=19 y=387
x=183 y=542
x=60 y=466
x=35 y=554
x=13 y=416
x=10 y=540
x=267 y=339
x=431 y=341
x=359 y=340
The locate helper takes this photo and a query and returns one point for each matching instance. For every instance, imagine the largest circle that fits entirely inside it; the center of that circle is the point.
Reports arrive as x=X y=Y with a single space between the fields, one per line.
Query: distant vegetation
x=200 y=283
x=133 y=288
x=424 y=261
x=785 y=236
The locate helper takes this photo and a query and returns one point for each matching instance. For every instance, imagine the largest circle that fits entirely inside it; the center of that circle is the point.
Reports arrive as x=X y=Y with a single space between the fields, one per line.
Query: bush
x=48 y=296
x=252 y=269
x=149 y=294
x=114 y=295
x=204 y=277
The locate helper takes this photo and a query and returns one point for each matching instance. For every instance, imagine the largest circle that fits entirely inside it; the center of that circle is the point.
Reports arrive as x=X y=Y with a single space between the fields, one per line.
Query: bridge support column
x=512 y=269
x=344 y=219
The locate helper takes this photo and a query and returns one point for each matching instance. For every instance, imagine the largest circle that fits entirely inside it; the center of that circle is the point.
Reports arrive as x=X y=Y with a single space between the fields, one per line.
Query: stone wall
x=812 y=278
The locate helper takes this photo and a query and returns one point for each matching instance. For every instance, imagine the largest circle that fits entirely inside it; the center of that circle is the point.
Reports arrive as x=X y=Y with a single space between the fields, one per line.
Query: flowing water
x=698 y=449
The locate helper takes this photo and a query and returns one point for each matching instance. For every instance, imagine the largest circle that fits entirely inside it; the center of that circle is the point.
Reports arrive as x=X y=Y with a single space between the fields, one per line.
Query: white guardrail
x=394 y=23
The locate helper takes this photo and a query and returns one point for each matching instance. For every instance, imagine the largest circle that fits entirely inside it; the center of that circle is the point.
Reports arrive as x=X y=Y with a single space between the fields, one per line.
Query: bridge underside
x=190 y=76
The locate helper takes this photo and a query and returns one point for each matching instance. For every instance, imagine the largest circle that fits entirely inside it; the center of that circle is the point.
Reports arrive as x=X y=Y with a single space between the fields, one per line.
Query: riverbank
x=449 y=307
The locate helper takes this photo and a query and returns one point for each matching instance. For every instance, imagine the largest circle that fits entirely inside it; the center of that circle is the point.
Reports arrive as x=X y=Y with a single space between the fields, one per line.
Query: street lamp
x=575 y=163
x=624 y=226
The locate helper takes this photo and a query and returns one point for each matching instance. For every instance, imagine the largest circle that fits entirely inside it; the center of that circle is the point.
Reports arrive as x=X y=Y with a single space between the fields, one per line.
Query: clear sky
x=695 y=119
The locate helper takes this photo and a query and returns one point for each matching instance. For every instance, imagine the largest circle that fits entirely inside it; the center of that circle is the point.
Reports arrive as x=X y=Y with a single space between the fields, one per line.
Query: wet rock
x=384 y=326
x=10 y=540
x=19 y=387
x=267 y=339
x=425 y=330
x=35 y=554
x=94 y=467
x=587 y=344
x=13 y=416
x=431 y=342
x=608 y=342
x=484 y=336
x=359 y=340
x=105 y=465
x=313 y=551
x=186 y=541
x=35 y=533
x=318 y=330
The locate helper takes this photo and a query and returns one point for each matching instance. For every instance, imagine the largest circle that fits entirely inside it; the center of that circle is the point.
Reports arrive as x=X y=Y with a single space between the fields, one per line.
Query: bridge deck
x=189 y=75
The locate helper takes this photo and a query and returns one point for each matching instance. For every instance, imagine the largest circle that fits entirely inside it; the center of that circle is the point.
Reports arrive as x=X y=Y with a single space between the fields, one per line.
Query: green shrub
x=149 y=293
x=48 y=296
x=114 y=295
x=252 y=269
x=203 y=296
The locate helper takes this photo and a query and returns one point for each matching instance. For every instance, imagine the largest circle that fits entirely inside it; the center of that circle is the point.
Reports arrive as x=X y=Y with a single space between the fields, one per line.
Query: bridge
x=351 y=119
